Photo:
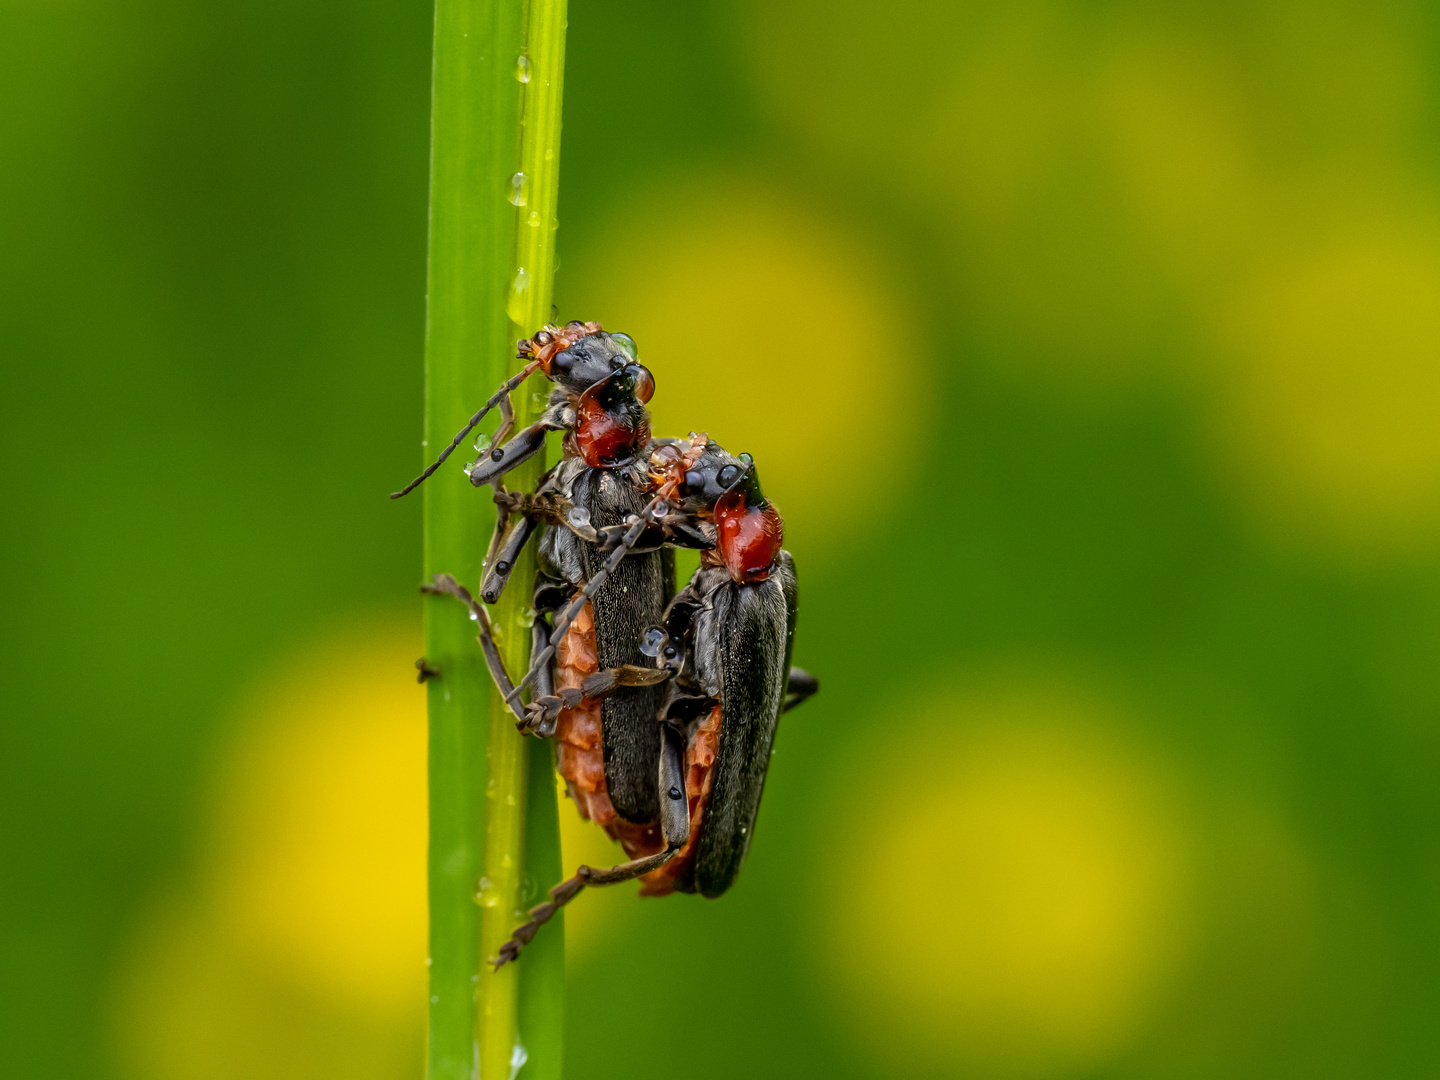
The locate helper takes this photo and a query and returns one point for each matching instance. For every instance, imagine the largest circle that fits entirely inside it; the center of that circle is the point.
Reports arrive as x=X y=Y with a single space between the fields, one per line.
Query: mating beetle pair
x=663 y=707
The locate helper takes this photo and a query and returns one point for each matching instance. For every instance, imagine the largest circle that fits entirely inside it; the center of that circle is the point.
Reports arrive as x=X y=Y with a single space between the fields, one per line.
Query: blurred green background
x=1092 y=351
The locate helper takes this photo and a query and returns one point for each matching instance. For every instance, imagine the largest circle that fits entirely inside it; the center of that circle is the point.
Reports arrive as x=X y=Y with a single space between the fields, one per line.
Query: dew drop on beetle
x=651 y=641
x=627 y=345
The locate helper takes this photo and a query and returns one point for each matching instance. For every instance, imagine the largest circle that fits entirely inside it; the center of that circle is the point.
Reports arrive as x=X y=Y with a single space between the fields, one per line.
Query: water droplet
x=474 y=617
x=482 y=443
x=651 y=641
x=578 y=516
x=516 y=305
x=486 y=895
x=518 y=1057
x=627 y=345
x=550 y=153
x=743 y=830
x=534 y=219
x=528 y=889
x=554 y=223
x=519 y=189
x=510 y=801
x=522 y=69
x=527 y=617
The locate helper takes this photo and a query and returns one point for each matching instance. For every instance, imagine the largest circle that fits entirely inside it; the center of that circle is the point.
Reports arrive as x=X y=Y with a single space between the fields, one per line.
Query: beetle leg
x=802 y=685
x=503 y=394
x=551 y=508
x=502 y=519
x=674 y=827
x=497 y=569
x=447 y=585
x=674 y=806
x=604 y=683
x=546 y=705
x=568 y=889
x=507 y=421
x=544 y=708
x=571 y=610
x=525 y=445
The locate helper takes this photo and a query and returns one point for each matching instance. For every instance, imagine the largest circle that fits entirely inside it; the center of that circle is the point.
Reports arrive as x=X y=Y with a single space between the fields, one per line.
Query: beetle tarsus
x=445 y=584
x=570 y=888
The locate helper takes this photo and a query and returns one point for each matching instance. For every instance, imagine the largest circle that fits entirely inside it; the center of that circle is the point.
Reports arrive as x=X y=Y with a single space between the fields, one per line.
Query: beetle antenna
x=499 y=395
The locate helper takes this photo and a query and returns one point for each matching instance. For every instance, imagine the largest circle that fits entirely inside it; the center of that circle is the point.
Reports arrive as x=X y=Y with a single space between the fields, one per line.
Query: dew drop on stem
x=515 y=306
x=519 y=189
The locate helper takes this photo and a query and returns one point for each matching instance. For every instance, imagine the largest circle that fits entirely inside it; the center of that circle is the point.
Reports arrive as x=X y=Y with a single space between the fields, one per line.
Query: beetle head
x=606 y=384
x=578 y=355
x=722 y=487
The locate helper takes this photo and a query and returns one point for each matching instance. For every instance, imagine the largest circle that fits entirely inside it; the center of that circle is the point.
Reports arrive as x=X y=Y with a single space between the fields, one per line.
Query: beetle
x=599 y=402
x=724 y=648
x=574 y=371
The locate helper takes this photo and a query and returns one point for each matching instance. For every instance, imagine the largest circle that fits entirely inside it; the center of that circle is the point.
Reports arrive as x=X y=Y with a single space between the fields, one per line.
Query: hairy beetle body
x=739 y=648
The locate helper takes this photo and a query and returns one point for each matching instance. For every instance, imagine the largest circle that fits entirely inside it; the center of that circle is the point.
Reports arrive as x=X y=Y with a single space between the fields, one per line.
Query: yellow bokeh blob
x=319 y=861
x=299 y=950
x=1014 y=897
x=1333 y=411
x=764 y=327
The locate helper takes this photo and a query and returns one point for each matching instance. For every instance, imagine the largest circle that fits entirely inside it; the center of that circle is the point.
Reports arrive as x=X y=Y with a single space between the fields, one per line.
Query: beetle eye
x=727 y=476
x=694 y=482
x=562 y=364
x=627 y=345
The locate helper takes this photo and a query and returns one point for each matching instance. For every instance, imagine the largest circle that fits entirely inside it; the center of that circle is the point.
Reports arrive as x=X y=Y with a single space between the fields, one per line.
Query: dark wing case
x=742 y=657
x=632 y=599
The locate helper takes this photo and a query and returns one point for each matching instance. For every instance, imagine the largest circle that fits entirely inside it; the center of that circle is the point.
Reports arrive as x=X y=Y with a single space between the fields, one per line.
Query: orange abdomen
x=580 y=745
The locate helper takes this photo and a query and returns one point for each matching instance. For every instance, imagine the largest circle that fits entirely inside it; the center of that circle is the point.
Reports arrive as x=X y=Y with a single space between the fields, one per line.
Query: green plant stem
x=493 y=814
x=533 y=284
x=474 y=749
x=522 y=844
